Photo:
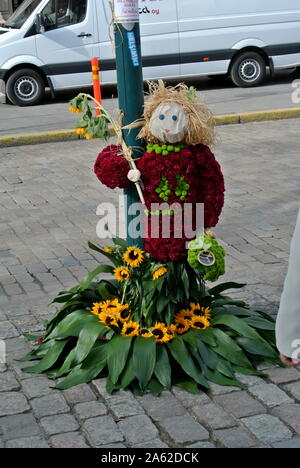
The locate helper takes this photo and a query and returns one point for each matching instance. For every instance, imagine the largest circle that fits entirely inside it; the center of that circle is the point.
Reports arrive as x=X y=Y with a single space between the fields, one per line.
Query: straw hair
x=200 y=119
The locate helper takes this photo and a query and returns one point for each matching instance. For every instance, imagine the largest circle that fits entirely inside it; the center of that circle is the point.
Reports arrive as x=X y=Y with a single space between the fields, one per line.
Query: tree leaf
x=117 y=351
x=162 y=369
x=144 y=359
x=49 y=360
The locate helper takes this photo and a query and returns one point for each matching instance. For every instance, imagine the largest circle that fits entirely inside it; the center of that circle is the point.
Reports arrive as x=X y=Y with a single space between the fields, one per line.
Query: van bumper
x=2 y=73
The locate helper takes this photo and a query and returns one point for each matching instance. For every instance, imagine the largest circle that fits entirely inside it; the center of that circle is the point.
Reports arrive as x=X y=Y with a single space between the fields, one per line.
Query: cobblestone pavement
x=48 y=200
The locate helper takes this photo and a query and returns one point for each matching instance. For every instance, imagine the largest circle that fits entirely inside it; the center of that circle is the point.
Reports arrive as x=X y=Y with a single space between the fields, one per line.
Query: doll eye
x=162 y=117
x=174 y=117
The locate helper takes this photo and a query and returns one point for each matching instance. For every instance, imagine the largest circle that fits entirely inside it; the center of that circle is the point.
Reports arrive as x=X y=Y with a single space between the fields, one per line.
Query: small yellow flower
x=111 y=306
x=96 y=309
x=159 y=272
x=75 y=110
x=122 y=273
x=172 y=329
x=133 y=256
x=184 y=314
x=200 y=311
x=107 y=250
x=87 y=136
x=200 y=323
x=108 y=319
x=146 y=333
x=130 y=329
x=160 y=333
x=80 y=131
x=123 y=313
x=182 y=326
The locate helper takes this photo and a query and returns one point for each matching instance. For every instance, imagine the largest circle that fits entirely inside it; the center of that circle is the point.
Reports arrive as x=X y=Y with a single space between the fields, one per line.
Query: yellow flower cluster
x=133 y=257
x=75 y=110
x=111 y=312
x=195 y=316
x=159 y=272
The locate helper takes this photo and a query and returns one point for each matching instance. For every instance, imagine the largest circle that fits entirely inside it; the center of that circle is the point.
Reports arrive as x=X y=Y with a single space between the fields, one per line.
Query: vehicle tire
x=25 y=87
x=248 y=69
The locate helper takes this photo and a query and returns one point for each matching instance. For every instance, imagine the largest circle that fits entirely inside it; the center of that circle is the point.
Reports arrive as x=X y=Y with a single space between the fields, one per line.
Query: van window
x=61 y=13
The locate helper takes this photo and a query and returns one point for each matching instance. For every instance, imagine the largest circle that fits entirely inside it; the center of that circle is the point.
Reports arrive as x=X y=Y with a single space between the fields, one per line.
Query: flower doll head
x=176 y=115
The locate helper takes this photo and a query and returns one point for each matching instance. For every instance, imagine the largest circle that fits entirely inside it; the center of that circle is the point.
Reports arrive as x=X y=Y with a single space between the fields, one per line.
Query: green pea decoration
x=205 y=255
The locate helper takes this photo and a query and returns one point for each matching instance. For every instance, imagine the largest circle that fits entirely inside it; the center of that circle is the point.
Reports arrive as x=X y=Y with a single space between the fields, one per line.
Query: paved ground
x=47 y=203
x=223 y=97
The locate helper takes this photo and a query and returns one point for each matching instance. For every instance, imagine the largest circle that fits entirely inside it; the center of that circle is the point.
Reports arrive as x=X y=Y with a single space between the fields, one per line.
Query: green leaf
x=186 y=283
x=128 y=374
x=220 y=379
x=224 y=286
x=87 y=338
x=155 y=387
x=49 y=360
x=247 y=371
x=189 y=386
x=111 y=257
x=207 y=336
x=117 y=352
x=89 y=278
x=121 y=242
x=71 y=325
x=65 y=368
x=144 y=359
x=162 y=369
x=228 y=349
x=181 y=354
x=260 y=323
x=257 y=348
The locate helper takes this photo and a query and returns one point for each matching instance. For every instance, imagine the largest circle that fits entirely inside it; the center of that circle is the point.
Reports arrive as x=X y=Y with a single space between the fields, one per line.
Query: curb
x=226 y=119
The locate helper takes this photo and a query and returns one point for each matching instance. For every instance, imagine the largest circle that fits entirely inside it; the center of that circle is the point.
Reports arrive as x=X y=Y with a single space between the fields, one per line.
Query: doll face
x=169 y=123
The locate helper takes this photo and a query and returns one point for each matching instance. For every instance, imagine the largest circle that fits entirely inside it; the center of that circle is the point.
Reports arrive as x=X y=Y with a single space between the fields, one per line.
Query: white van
x=49 y=43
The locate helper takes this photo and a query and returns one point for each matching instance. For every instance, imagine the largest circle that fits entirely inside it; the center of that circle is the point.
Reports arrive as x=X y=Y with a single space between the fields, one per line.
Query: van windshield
x=22 y=13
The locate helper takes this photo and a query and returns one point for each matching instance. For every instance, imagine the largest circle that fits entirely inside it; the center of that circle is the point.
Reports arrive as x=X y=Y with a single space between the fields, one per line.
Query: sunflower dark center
x=158 y=333
x=124 y=313
x=133 y=255
x=144 y=331
x=187 y=317
x=199 y=313
x=129 y=331
x=199 y=325
x=109 y=320
x=180 y=326
x=124 y=274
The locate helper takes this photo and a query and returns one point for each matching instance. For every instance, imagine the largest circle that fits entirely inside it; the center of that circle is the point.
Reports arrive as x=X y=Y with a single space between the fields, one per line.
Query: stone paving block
x=280 y=376
x=118 y=446
x=270 y=395
x=138 y=429
x=12 y=403
x=249 y=380
x=49 y=405
x=240 y=404
x=188 y=399
x=290 y=414
x=220 y=390
x=214 y=416
x=183 y=430
x=59 y=424
x=68 y=440
x=294 y=390
x=102 y=431
x=166 y=406
x=27 y=442
x=234 y=438
x=8 y=383
x=19 y=426
x=79 y=394
x=37 y=386
x=124 y=408
x=202 y=445
x=288 y=444
x=90 y=409
x=156 y=443
x=267 y=428
x=7 y=330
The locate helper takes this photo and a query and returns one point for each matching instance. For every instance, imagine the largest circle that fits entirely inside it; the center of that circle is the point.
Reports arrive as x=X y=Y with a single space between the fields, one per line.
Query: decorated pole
x=130 y=88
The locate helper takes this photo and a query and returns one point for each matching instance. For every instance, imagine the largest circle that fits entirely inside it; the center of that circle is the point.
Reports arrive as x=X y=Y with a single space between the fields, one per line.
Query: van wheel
x=25 y=87
x=248 y=69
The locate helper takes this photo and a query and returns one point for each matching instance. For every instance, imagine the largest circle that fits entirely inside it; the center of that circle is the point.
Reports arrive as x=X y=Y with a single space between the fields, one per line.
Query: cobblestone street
x=48 y=201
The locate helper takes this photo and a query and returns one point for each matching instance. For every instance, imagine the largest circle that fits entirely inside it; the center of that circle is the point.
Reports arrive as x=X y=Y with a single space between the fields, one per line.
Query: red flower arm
x=111 y=168
x=212 y=181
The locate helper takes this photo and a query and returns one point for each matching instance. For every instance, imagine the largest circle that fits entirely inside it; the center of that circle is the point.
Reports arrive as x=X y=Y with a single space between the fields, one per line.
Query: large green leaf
x=120 y=241
x=65 y=368
x=162 y=369
x=128 y=374
x=89 y=278
x=181 y=354
x=214 y=361
x=88 y=370
x=220 y=379
x=117 y=351
x=228 y=349
x=189 y=386
x=49 y=360
x=208 y=337
x=87 y=338
x=155 y=387
x=260 y=323
x=144 y=359
x=224 y=286
x=257 y=348
x=71 y=325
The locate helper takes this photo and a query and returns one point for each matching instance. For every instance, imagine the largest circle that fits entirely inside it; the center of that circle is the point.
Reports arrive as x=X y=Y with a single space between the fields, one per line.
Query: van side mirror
x=39 y=23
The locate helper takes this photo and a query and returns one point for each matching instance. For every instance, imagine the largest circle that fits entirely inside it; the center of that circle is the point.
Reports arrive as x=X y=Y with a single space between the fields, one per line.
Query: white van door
x=67 y=45
x=160 y=40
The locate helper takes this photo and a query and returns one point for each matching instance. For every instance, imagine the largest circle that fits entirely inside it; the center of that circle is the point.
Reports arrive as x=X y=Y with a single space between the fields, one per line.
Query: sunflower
x=184 y=314
x=133 y=256
x=80 y=131
x=107 y=250
x=200 y=323
x=146 y=333
x=111 y=307
x=75 y=110
x=108 y=319
x=123 y=313
x=97 y=308
x=130 y=329
x=182 y=326
x=200 y=311
x=159 y=272
x=122 y=273
x=160 y=333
